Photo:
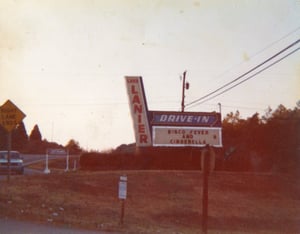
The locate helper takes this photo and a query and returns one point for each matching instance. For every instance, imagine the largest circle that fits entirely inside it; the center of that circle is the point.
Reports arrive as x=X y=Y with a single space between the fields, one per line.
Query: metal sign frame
x=147 y=124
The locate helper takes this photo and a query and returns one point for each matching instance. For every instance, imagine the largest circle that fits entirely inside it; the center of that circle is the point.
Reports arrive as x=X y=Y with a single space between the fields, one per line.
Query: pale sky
x=63 y=62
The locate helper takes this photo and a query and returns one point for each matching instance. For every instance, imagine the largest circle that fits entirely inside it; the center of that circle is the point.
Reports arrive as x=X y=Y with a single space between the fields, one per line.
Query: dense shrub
x=145 y=159
x=152 y=158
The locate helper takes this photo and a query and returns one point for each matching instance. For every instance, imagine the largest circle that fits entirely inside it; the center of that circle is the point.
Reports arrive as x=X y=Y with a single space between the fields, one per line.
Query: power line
x=262 y=50
x=248 y=78
x=238 y=78
x=244 y=74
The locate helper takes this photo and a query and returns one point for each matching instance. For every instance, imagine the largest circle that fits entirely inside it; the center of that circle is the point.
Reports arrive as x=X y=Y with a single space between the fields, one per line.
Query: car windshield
x=13 y=155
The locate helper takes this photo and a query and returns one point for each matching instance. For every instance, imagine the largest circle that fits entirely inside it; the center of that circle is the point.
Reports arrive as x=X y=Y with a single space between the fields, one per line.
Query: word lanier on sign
x=139 y=110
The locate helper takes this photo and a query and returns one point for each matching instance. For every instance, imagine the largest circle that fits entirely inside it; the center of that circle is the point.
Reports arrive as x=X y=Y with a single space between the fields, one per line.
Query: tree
x=3 y=138
x=232 y=118
x=35 y=134
x=19 y=137
x=73 y=147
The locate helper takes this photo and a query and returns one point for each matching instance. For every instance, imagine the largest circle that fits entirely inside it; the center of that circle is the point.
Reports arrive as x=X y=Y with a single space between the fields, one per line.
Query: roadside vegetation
x=254 y=189
x=33 y=143
x=270 y=143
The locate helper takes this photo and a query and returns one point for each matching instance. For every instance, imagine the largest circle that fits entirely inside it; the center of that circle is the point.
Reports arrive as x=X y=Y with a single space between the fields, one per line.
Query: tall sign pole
x=8 y=155
x=205 y=169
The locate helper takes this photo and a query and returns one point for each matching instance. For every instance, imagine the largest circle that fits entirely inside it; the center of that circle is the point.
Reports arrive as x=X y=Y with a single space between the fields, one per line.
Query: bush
x=146 y=159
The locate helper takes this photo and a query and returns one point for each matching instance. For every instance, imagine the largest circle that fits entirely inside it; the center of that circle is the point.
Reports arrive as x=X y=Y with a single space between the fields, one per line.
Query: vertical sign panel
x=123 y=187
x=138 y=107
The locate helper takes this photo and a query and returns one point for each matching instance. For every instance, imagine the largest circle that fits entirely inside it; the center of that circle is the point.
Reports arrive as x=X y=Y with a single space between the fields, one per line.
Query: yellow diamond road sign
x=10 y=115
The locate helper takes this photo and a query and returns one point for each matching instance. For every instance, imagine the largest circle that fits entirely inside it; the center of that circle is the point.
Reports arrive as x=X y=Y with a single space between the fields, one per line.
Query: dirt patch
x=157 y=202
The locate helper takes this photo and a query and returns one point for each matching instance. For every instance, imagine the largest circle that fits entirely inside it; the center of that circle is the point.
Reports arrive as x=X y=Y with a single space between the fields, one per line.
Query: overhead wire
x=261 y=51
x=245 y=74
x=231 y=87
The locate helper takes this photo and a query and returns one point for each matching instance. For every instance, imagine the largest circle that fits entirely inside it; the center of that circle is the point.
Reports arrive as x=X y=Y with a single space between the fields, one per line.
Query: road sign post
x=47 y=171
x=8 y=155
x=122 y=196
x=10 y=117
x=205 y=169
x=67 y=161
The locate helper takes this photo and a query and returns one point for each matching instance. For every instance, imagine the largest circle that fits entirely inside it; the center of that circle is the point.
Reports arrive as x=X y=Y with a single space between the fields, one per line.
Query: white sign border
x=182 y=127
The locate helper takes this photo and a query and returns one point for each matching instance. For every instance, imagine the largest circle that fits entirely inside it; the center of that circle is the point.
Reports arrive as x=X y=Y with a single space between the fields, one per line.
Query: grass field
x=157 y=201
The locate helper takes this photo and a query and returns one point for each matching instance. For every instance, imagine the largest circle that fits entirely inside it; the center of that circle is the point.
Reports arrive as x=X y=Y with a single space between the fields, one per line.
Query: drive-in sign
x=170 y=128
x=186 y=136
x=180 y=129
x=204 y=119
x=139 y=110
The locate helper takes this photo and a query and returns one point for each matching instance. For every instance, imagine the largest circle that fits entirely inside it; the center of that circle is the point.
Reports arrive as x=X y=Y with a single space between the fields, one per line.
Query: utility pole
x=184 y=87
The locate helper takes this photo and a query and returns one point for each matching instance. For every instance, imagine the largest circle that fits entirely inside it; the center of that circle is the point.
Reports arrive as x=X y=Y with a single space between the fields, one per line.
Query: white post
x=74 y=168
x=46 y=171
x=67 y=161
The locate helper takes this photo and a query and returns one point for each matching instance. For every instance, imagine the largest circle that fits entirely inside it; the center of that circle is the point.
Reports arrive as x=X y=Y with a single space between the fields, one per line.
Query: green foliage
x=19 y=137
x=73 y=147
x=3 y=138
x=268 y=143
x=163 y=158
x=34 y=143
x=35 y=134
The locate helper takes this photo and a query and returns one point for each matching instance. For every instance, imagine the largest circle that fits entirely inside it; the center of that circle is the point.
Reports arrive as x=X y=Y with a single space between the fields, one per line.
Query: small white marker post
x=74 y=167
x=67 y=161
x=46 y=171
x=122 y=195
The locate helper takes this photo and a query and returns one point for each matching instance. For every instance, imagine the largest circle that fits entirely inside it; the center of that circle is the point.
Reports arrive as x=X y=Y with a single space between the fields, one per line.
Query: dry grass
x=158 y=201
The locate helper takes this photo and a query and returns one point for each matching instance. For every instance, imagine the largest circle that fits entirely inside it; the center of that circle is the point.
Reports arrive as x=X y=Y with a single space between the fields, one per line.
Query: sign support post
x=8 y=155
x=46 y=171
x=74 y=167
x=122 y=196
x=67 y=161
x=205 y=170
x=122 y=211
